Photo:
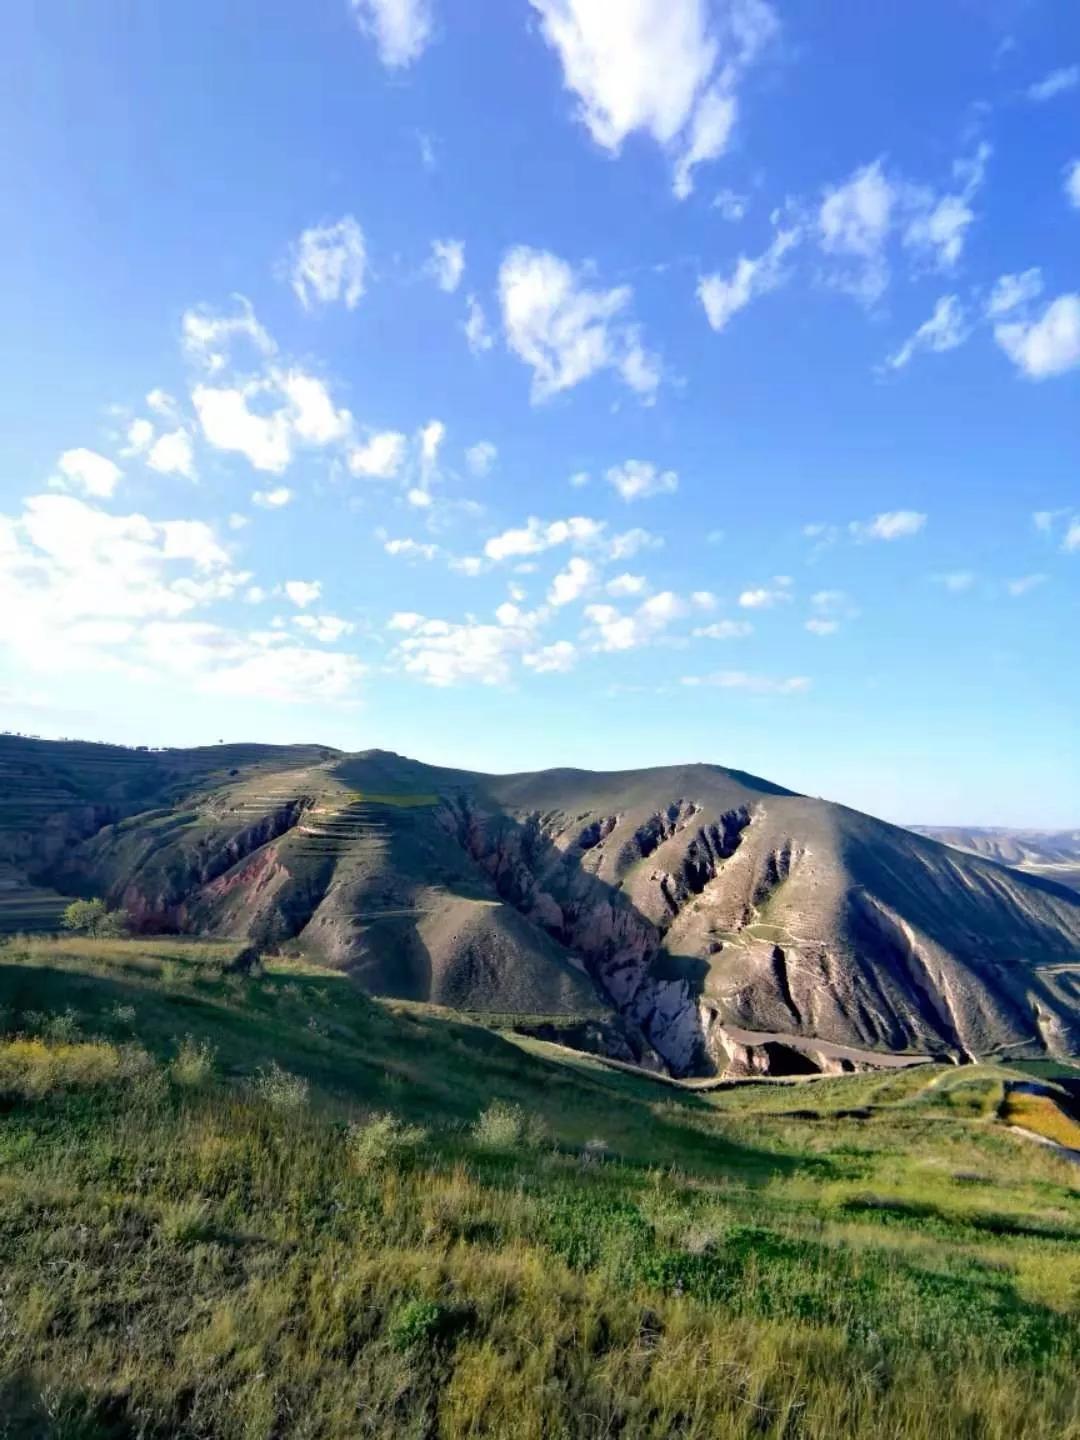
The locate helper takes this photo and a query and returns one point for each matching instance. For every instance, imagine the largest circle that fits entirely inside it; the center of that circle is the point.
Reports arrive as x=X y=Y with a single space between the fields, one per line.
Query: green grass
x=268 y=1206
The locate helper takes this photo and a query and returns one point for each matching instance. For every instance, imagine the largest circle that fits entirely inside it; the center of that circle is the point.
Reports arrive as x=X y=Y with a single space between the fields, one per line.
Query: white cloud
x=723 y=298
x=401 y=29
x=703 y=600
x=1047 y=346
x=404 y=620
x=444 y=653
x=94 y=474
x=173 y=454
x=74 y=562
x=941 y=231
x=613 y=631
x=1025 y=583
x=707 y=137
x=380 y=457
x=1071 y=542
x=764 y=597
x=259 y=665
x=939 y=224
x=817 y=626
x=570 y=584
x=552 y=659
x=1054 y=84
x=329 y=264
x=264 y=419
x=753 y=684
x=638 y=480
x=956 y=581
x=831 y=601
x=630 y=542
x=208 y=337
x=447 y=264
x=432 y=436
x=112 y=593
x=272 y=499
x=625 y=586
x=946 y=329
x=536 y=536
x=477 y=334
x=1072 y=183
x=237 y=521
x=668 y=68
x=854 y=218
x=731 y=204
x=480 y=457
x=162 y=404
x=324 y=628
x=1010 y=292
x=311 y=412
x=567 y=332
x=411 y=549
x=228 y=423
x=725 y=630
x=471 y=565
x=303 y=592
x=140 y=436
x=890 y=525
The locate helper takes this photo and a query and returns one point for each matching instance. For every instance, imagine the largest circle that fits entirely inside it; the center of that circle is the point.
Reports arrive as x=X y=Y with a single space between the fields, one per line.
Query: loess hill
x=693 y=918
x=1054 y=854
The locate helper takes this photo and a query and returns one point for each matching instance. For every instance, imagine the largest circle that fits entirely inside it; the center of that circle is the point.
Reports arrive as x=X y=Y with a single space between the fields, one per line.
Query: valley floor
x=264 y=1205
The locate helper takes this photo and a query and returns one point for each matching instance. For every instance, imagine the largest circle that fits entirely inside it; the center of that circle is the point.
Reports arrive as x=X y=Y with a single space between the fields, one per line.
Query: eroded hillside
x=729 y=924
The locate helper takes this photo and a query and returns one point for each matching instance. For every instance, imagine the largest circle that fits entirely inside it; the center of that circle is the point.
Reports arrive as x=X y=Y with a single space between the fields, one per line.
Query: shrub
x=417 y=1321
x=382 y=1141
x=62 y=1028
x=93 y=917
x=194 y=1062
x=279 y=1088
x=506 y=1126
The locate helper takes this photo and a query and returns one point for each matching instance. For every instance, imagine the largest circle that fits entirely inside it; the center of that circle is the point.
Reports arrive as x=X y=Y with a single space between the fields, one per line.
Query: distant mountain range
x=690 y=917
x=1052 y=853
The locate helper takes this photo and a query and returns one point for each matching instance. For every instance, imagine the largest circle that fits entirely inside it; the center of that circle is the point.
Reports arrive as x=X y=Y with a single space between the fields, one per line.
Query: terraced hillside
x=730 y=924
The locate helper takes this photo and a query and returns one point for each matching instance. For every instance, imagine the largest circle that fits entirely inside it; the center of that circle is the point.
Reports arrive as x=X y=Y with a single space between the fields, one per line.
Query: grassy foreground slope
x=265 y=1205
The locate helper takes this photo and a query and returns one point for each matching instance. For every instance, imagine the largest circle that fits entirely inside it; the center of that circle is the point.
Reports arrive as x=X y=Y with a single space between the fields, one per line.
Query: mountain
x=693 y=917
x=1054 y=854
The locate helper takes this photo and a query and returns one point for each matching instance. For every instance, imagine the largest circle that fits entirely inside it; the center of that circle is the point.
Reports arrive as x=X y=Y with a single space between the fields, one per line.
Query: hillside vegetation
x=242 y=1202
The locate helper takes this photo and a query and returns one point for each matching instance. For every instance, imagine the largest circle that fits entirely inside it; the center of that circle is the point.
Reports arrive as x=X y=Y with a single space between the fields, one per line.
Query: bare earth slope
x=1054 y=854
x=733 y=925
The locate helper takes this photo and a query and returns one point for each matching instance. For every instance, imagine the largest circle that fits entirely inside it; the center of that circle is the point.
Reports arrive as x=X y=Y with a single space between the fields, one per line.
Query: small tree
x=93 y=917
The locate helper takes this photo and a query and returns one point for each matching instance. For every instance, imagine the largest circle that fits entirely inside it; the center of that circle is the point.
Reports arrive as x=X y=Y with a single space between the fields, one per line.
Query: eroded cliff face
x=165 y=878
x=553 y=870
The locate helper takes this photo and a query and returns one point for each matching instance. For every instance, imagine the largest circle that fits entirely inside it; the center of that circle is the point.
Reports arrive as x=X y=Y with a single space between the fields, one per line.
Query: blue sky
x=530 y=382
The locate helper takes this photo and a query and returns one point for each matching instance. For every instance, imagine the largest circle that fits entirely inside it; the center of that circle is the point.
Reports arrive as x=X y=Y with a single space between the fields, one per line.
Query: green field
x=264 y=1205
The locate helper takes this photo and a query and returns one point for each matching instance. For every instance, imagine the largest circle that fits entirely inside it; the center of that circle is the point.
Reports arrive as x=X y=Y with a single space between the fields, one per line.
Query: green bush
x=505 y=1126
x=93 y=917
x=382 y=1141
x=194 y=1062
x=416 y=1322
x=279 y=1088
